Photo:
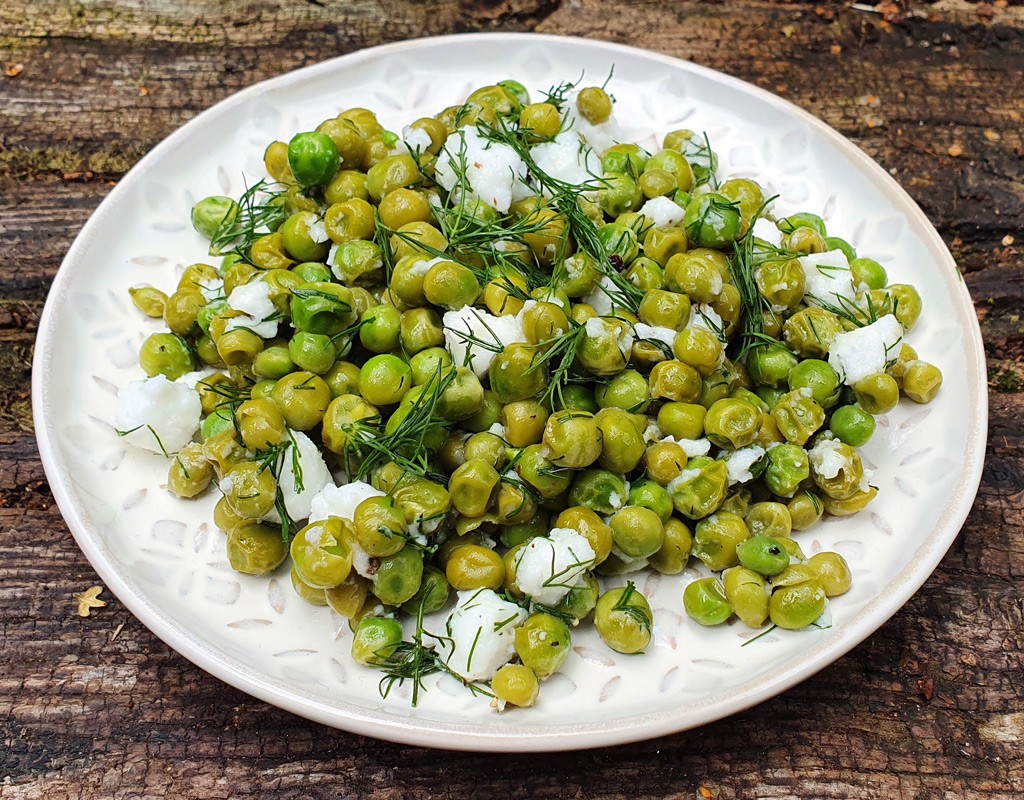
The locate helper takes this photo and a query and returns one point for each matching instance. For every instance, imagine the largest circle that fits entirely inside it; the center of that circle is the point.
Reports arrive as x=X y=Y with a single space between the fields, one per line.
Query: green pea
x=432 y=595
x=462 y=397
x=674 y=163
x=848 y=477
x=420 y=329
x=380 y=328
x=732 y=423
x=763 y=554
x=769 y=519
x=868 y=273
x=384 y=380
x=820 y=378
x=472 y=487
x=450 y=285
x=516 y=684
x=921 y=381
x=536 y=468
x=747 y=593
x=356 y=261
x=581 y=599
x=675 y=549
x=712 y=220
x=313 y=352
x=804 y=509
x=322 y=308
x=313 y=158
x=543 y=643
x=250 y=489
x=798 y=416
x=311 y=272
x=303 y=398
x=797 y=606
x=648 y=494
x=211 y=214
x=217 y=422
x=575 y=397
x=488 y=415
x=619 y=193
x=852 y=425
x=398 y=577
x=320 y=555
x=623 y=619
x=149 y=301
x=682 y=420
x=717 y=537
x=274 y=362
x=379 y=526
x=704 y=602
x=787 y=468
x=255 y=549
x=342 y=378
x=260 y=424
x=427 y=365
x=374 y=640
x=835 y=243
x=770 y=365
x=598 y=490
x=877 y=394
x=166 y=354
x=832 y=573
x=811 y=331
x=628 y=390
x=189 y=473
x=701 y=488
x=298 y=240
x=625 y=158
x=637 y=531
x=619 y=241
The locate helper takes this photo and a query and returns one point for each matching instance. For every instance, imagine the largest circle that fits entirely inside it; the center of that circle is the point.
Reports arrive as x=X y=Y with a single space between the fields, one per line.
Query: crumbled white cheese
x=316 y=230
x=491 y=168
x=413 y=141
x=549 y=566
x=865 y=351
x=496 y=332
x=766 y=231
x=629 y=563
x=652 y=433
x=497 y=429
x=480 y=634
x=311 y=472
x=340 y=501
x=826 y=458
x=601 y=136
x=663 y=212
x=827 y=276
x=258 y=313
x=566 y=158
x=604 y=297
x=738 y=463
x=682 y=479
x=212 y=289
x=704 y=316
x=158 y=415
x=692 y=447
x=655 y=333
x=332 y=262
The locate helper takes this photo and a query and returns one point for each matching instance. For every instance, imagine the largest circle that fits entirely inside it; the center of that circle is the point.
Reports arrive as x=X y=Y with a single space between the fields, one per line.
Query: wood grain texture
x=931 y=707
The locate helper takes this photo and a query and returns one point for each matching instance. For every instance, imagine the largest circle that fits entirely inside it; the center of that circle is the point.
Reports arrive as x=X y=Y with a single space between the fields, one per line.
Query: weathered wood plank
x=85 y=713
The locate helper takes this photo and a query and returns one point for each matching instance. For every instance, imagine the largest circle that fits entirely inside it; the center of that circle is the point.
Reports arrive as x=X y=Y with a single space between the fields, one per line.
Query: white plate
x=165 y=561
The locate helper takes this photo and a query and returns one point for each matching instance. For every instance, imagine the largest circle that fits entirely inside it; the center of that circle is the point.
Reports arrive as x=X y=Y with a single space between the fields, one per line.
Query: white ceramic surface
x=165 y=560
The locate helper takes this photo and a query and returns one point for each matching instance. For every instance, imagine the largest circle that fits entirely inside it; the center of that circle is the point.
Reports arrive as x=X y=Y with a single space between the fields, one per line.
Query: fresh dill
x=557 y=356
x=260 y=210
x=625 y=605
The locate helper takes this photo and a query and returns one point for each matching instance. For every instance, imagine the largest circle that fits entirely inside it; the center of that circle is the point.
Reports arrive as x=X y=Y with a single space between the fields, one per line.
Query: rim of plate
x=464 y=736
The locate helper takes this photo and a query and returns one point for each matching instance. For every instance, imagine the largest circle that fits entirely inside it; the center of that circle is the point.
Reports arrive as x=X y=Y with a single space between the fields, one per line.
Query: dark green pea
x=313 y=158
x=322 y=308
x=575 y=397
x=166 y=354
x=705 y=603
x=374 y=640
x=312 y=272
x=763 y=554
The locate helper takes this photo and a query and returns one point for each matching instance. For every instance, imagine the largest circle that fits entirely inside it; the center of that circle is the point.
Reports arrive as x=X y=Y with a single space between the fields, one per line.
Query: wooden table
x=931 y=706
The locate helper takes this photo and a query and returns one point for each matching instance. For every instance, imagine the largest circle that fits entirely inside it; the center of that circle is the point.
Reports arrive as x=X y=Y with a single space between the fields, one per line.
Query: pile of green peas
x=361 y=346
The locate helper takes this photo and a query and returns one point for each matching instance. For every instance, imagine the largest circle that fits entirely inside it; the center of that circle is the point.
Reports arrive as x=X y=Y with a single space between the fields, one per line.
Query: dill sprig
x=414 y=660
x=407 y=444
x=557 y=356
x=159 y=443
x=260 y=211
x=624 y=605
